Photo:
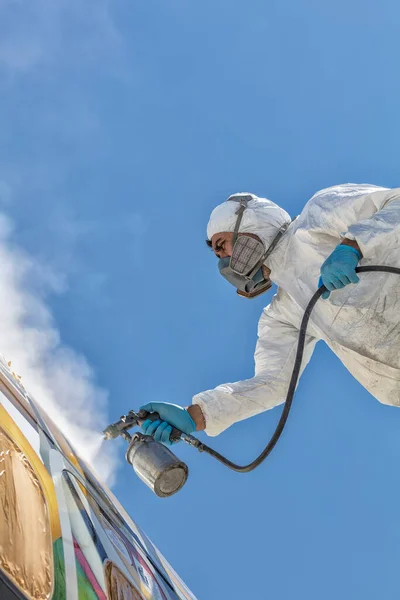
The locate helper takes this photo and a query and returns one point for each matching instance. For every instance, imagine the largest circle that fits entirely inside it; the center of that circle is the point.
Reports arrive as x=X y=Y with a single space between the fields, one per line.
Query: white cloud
x=59 y=378
x=54 y=54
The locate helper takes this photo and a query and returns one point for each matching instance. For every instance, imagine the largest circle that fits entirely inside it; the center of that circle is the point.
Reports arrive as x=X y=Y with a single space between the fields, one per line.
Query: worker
x=257 y=243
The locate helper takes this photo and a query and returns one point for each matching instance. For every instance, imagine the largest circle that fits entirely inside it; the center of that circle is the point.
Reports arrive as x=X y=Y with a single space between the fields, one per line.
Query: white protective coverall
x=360 y=323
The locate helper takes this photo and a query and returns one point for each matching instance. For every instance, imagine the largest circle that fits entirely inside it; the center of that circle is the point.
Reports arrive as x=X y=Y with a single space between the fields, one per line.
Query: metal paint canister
x=156 y=465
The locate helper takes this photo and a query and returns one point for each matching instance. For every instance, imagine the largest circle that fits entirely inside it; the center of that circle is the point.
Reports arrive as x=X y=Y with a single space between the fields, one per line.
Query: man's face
x=222 y=246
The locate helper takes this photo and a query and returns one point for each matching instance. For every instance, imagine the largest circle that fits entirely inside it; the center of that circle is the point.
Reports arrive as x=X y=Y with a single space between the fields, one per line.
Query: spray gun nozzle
x=119 y=428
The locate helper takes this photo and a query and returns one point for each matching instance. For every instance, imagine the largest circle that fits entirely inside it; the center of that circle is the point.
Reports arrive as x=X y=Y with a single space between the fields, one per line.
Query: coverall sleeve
x=274 y=361
x=380 y=232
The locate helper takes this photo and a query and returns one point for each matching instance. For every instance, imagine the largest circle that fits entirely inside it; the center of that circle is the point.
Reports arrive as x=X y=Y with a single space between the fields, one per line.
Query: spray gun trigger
x=175 y=435
x=146 y=416
x=143 y=414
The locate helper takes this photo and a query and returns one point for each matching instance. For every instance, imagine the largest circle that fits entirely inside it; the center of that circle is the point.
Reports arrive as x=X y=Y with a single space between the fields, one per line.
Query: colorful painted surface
x=118 y=587
x=88 y=588
x=92 y=553
x=143 y=572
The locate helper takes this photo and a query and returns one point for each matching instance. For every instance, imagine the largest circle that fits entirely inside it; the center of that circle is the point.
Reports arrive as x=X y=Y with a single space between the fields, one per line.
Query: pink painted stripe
x=88 y=571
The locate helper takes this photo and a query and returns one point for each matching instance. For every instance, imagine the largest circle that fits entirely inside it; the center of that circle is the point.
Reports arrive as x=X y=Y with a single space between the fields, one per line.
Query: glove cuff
x=192 y=421
x=341 y=248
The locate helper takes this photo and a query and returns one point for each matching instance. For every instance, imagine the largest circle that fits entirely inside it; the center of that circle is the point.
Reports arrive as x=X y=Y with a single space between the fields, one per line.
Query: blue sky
x=122 y=126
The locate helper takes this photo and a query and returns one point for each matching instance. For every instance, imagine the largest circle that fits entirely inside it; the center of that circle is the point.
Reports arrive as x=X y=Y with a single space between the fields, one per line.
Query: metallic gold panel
x=26 y=554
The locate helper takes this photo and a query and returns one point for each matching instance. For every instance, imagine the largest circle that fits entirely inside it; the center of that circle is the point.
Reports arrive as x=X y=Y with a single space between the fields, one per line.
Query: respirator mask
x=244 y=268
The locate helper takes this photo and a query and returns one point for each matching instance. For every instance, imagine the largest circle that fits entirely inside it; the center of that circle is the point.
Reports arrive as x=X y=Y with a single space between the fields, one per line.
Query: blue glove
x=170 y=414
x=339 y=269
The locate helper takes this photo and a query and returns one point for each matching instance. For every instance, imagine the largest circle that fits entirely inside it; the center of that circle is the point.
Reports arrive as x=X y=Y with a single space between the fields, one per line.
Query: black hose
x=292 y=385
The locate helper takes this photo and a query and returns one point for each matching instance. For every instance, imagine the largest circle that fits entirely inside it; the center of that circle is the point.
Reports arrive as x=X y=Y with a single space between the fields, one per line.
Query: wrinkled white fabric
x=261 y=217
x=360 y=323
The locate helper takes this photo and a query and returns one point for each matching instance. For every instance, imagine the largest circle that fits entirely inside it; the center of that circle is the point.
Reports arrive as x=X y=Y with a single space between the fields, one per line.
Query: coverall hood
x=261 y=217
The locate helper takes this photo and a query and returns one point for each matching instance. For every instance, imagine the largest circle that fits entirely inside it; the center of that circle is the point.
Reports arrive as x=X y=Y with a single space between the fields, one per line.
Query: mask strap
x=243 y=205
x=269 y=249
x=239 y=213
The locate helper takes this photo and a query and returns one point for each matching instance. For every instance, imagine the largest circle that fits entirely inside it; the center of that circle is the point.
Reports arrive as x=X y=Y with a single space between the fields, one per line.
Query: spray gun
x=160 y=469
x=153 y=462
